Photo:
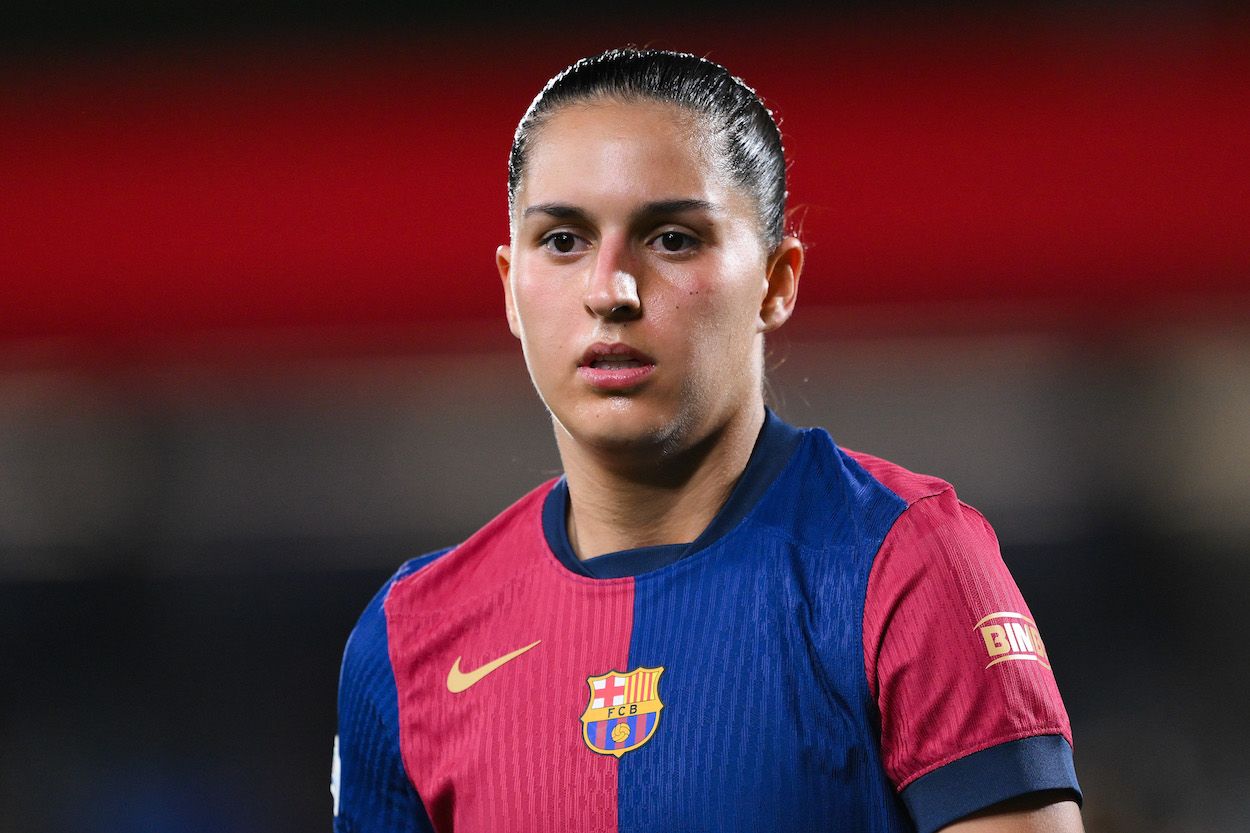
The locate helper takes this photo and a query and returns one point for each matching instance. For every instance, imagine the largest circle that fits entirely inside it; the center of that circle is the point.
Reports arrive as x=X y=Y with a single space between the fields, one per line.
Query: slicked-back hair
x=749 y=138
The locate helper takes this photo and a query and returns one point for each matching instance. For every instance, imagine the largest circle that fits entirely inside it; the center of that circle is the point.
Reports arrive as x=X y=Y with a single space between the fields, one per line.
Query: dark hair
x=751 y=140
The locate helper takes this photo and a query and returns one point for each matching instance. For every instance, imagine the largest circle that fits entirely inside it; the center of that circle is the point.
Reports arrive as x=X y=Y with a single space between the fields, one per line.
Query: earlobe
x=503 y=262
x=781 y=290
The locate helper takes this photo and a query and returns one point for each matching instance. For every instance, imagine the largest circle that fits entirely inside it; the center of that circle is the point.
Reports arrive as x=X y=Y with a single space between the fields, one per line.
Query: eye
x=563 y=243
x=674 y=242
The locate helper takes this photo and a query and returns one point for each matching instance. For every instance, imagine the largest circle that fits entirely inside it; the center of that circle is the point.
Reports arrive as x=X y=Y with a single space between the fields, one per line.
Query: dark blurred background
x=252 y=355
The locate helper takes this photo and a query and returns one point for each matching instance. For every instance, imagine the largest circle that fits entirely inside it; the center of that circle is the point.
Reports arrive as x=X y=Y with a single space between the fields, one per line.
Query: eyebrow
x=563 y=211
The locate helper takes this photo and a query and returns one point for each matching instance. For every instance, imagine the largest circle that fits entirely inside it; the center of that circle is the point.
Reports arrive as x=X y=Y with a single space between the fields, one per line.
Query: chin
x=624 y=424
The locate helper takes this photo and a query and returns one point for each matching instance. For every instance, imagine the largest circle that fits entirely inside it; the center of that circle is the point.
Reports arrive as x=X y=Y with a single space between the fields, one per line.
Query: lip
x=614 y=379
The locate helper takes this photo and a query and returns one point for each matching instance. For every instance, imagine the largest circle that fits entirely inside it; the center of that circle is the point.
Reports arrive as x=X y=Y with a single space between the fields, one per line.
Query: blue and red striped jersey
x=842 y=649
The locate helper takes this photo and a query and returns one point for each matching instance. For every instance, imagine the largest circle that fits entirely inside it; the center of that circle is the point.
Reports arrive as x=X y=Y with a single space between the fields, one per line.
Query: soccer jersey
x=841 y=649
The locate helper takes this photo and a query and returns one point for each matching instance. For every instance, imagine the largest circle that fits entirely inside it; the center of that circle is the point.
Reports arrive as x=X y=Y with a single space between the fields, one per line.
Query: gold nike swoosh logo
x=458 y=681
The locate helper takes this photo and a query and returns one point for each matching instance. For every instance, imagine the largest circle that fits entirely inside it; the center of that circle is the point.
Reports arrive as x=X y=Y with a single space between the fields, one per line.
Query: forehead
x=609 y=151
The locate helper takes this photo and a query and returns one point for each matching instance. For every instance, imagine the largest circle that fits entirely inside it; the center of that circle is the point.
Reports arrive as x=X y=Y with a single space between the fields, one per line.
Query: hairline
x=713 y=131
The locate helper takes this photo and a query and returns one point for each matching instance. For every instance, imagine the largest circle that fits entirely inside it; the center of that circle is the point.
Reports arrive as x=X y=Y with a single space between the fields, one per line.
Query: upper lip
x=602 y=350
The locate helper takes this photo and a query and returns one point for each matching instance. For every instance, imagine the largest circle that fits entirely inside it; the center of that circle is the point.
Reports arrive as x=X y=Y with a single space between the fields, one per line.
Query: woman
x=713 y=620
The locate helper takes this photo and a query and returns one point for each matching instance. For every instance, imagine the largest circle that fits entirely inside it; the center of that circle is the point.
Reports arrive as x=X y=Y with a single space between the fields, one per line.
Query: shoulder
x=366 y=656
x=432 y=581
x=932 y=518
x=510 y=543
x=908 y=485
x=939 y=550
x=921 y=544
x=858 y=497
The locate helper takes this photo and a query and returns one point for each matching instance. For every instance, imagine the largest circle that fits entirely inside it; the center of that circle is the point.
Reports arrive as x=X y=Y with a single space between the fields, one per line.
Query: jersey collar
x=774 y=446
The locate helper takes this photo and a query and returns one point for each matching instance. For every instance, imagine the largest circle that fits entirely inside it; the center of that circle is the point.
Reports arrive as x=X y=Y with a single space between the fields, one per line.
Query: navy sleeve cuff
x=985 y=778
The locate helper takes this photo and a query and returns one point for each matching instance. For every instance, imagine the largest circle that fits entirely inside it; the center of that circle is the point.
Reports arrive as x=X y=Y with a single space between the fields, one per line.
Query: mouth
x=614 y=367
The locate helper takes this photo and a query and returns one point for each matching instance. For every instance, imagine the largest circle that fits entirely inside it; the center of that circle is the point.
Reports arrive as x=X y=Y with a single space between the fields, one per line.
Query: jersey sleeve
x=970 y=713
x=370 y=787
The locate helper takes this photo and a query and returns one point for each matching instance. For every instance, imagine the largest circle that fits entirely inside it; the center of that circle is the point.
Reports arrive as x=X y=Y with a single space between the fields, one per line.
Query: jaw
x=649 y=426
x=623 y=424
x=663 y=451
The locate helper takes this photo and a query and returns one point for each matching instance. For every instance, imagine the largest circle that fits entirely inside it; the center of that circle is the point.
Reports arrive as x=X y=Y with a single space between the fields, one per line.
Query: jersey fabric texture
x=842 y=649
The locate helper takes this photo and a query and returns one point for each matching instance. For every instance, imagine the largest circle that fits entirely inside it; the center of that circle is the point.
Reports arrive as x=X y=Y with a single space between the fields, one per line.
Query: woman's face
x=637 y=280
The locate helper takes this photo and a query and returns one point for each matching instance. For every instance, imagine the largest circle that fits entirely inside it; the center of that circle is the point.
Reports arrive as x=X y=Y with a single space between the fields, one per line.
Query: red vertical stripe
x=517 y=770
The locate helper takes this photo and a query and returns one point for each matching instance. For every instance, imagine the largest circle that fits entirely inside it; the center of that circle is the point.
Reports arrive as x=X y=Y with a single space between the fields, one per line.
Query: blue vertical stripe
x=766 y=710
x=374 y=790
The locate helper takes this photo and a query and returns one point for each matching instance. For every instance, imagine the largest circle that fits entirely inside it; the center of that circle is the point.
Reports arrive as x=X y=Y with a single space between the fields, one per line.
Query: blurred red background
x=357 y=185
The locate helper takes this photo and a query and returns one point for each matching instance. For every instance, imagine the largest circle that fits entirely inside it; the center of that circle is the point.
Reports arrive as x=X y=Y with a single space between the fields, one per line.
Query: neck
x=621 y=501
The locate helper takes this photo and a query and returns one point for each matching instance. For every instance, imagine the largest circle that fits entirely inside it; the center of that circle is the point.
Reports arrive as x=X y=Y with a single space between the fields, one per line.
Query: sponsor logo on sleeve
x=1011 y=636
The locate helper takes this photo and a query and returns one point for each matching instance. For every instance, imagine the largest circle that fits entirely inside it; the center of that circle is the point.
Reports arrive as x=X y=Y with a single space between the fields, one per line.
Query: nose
x=612 y=286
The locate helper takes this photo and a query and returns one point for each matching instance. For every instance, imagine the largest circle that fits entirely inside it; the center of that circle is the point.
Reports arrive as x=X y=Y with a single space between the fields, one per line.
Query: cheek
x=542 y=314
x=533 y=297
x=722 y=309
x=715 y=328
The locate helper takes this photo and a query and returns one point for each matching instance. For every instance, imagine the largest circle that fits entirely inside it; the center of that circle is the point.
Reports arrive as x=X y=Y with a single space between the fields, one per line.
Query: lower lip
x=602 y=378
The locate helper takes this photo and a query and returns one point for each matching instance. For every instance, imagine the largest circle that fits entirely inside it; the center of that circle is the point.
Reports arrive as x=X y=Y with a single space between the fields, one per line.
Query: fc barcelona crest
x=623 y=711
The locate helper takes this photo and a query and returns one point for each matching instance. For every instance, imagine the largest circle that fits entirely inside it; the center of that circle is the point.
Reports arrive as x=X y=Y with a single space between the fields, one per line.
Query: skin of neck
x=620 y=501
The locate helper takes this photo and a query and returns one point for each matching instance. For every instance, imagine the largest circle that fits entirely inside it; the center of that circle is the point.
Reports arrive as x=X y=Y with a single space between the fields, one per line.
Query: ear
x=503 y=261
x=781 y=288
